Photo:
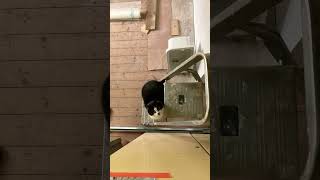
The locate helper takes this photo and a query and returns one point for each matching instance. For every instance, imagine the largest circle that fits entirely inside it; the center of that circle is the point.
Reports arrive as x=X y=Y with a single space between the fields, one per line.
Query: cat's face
x=155 y=110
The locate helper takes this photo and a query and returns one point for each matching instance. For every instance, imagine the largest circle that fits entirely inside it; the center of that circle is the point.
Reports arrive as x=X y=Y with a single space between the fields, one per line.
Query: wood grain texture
x=54 y=20
x=50 y=177
x=51 y=130
x=52 y=63
x=144 y=8
x=36 y=4
x=175 y=27
x=268 y=141
x=51 y=160
x=52 y=73
x=50 y=100
x=151 y=16
x=53 y=47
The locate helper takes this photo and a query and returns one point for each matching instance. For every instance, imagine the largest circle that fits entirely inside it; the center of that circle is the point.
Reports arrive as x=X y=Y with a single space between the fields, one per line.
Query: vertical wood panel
x=53 y=20
x=49 y=177
x=51 y=130
x=36 y=4
x=53 y=59
x=51 y=160
x=53 y=47
x=52 y=73
x=50 y=100
x=268 y=142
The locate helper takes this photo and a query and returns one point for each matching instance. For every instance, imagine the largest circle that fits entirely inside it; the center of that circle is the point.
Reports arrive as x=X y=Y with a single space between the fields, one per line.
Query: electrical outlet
x=229 y=119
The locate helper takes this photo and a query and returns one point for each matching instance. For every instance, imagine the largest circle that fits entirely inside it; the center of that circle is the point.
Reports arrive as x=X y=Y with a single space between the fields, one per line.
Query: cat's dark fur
x=153 y=98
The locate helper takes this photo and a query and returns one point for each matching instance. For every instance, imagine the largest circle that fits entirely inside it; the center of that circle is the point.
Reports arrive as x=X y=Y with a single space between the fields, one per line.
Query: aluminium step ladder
x=187 y=97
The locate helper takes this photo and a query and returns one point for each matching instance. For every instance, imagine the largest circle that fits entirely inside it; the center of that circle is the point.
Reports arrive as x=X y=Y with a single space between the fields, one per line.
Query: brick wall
x=128 y=68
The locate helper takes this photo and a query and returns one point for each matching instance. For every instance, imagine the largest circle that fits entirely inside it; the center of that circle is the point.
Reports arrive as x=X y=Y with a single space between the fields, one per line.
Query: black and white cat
x=153 y=98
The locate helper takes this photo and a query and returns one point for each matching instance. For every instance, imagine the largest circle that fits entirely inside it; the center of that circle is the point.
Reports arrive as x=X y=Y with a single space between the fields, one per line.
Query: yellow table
x=179 y=154
x=204 y=140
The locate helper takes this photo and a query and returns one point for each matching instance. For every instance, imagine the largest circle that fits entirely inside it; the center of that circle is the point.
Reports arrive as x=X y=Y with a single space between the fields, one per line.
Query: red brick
x=116 y=93
x=126 y=84
x=126 y=112
x=129 y=52
x=126 y=27
x=125 y=121
x=125 y=102
x=129 y=44
x=132 y=93
x=116 y=76
x=126 y=93
x=125 y=36
x=128 y=68
x=128 y=60
x=137 y=76
x=150 y=75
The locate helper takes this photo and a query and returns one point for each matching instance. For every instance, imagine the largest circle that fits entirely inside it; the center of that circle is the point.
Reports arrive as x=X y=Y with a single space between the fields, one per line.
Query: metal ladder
x=186 y=103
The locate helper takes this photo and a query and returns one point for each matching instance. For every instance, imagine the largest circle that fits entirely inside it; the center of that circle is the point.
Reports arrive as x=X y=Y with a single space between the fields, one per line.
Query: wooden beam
x=238 y=14
x=144 y=8
x=151 y=15
x=38 y=4
x=175 y=27
x=219 y=5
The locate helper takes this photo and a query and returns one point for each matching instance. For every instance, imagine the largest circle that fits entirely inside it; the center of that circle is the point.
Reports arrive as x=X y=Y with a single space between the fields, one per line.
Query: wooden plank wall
x=272 y=125
x=52 y=63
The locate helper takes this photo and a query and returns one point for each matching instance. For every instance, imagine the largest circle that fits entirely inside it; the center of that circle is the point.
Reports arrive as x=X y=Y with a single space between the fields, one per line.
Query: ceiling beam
x=238 y=14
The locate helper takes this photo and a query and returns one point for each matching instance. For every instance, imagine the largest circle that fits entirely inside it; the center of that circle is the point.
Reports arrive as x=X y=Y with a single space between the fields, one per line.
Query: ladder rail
x=184 y=67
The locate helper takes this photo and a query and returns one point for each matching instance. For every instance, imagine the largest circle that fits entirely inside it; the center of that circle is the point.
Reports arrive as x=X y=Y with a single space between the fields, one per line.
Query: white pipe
x=125 y=14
